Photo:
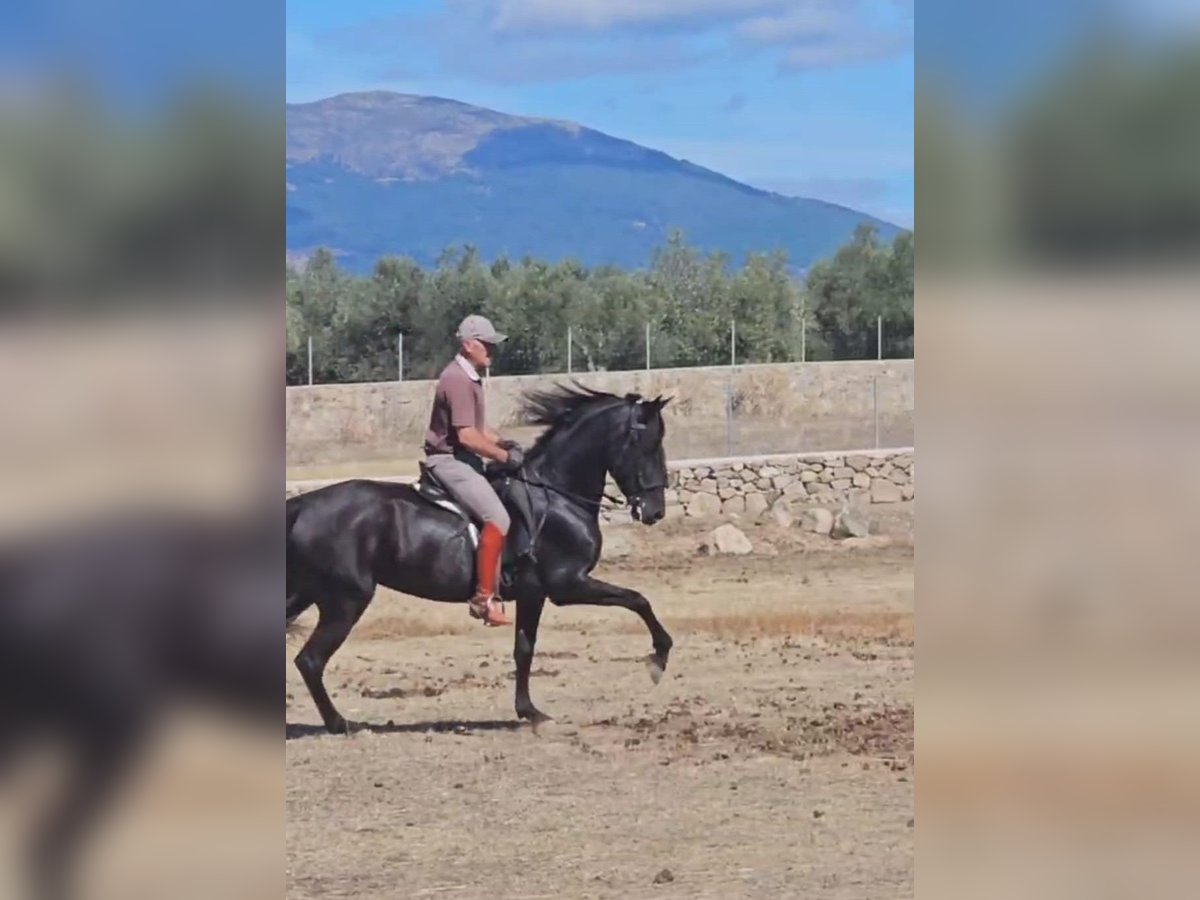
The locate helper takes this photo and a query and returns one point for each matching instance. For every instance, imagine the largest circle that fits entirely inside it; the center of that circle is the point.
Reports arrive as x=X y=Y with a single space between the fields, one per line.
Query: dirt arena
x=773 y=760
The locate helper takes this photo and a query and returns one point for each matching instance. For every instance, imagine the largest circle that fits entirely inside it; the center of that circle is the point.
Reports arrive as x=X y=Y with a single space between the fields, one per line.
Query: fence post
x=310 y=372
x=880 y=337
x=733 y=342
x=803 y=339
x=400 y=360
x=568 y=349
x=647 y=346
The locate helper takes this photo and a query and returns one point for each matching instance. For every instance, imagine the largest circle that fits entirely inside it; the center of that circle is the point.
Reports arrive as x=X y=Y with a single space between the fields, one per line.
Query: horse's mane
x=565 y=405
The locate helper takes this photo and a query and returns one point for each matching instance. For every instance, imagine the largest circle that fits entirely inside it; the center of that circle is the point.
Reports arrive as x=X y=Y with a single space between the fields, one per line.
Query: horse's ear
x=660 y=402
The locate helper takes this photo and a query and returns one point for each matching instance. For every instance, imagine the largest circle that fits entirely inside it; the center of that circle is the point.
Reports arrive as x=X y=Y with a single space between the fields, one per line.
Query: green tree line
x=687 y=297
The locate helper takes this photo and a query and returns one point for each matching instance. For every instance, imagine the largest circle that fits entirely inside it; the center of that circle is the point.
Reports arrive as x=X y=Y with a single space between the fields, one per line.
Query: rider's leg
x=487 y=561
x=472 y=490
x=487 y=573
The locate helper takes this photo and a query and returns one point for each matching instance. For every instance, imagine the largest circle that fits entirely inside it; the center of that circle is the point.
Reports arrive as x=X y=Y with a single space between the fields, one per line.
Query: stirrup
x=479 y=609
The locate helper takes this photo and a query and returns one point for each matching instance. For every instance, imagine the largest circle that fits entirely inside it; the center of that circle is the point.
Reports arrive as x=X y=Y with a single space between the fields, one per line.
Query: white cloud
x=805 y=21
x=845 y=49
x=596 y=15
x=822 y=34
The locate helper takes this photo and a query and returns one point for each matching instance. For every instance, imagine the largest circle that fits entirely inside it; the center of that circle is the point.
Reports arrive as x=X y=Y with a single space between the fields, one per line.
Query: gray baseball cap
x=477 y=328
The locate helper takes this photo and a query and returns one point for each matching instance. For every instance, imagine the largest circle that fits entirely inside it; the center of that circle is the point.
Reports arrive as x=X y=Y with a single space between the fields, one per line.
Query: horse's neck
x=576 y=463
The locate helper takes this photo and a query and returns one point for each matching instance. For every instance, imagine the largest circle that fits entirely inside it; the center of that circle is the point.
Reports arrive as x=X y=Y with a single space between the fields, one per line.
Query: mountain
x=377 y=173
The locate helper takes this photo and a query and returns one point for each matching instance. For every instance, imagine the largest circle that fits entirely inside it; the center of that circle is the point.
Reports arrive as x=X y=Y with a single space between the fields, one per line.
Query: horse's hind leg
x=339 y=613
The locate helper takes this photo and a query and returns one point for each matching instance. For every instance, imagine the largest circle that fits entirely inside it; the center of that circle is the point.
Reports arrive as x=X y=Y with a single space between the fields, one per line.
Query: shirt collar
x=470 y=369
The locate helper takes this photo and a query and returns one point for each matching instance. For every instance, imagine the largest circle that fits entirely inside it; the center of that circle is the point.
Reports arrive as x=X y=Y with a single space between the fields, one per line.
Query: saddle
x=512 y=493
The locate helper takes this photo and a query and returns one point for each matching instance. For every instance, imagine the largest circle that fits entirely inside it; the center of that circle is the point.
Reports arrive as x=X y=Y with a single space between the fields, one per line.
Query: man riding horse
x=456 y=443
x=345 y=540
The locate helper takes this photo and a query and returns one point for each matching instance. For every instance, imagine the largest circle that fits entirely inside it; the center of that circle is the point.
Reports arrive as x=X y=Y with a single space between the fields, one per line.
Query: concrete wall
x=777 y=408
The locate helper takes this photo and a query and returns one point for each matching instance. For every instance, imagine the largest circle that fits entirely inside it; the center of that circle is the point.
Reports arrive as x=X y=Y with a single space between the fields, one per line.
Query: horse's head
x=592 y=433
x=639 y=465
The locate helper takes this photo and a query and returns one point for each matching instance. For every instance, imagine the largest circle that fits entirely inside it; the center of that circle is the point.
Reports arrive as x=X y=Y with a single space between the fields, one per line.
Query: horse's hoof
x=656 y=666
x=339 y=726
x=535 y=717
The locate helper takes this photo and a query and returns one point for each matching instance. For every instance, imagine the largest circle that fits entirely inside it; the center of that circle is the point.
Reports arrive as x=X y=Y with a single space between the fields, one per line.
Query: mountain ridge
x=378 y=173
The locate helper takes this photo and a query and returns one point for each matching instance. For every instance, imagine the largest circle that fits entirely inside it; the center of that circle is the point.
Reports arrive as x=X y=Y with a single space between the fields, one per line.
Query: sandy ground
x=773 y=760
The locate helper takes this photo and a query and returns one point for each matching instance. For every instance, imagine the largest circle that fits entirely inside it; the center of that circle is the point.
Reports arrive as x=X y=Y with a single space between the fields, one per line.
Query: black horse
x=109 y=625
x=346 y=539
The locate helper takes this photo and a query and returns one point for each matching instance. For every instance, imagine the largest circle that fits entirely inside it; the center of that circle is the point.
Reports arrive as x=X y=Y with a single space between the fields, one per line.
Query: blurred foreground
x=139 y=615
x=140 y=465
x=1059 y=425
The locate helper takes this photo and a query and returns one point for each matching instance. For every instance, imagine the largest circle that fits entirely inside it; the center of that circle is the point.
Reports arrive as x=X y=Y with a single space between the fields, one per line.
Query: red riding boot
x=484 y=605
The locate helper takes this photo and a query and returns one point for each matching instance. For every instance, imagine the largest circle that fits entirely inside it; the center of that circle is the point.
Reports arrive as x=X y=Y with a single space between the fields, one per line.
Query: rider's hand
x=516 y=457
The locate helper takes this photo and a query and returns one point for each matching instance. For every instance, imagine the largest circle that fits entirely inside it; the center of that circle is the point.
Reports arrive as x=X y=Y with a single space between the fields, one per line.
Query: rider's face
x=477 y=353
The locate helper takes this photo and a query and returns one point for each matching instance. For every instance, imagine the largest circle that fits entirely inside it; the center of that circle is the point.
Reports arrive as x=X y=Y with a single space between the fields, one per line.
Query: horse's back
x=356 y=497
x=362 y=533
x=341 y=516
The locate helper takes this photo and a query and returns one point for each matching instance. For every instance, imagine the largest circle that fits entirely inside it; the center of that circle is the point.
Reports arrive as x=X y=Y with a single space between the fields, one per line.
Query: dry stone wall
x=786 y=489
x=785 y=485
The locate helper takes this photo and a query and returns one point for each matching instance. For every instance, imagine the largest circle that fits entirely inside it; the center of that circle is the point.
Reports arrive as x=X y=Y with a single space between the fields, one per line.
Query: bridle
x=640 y=487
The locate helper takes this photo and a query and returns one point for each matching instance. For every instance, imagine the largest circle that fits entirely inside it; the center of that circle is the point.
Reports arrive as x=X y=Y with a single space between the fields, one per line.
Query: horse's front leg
x=594 y=592
x=529 y=615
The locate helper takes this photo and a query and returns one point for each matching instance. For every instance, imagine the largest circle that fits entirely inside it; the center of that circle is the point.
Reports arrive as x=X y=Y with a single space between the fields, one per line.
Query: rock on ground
x=850 y=523
x=728 y=539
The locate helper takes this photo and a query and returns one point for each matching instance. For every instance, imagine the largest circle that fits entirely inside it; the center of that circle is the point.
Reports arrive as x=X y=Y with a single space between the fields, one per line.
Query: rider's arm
x=478 y=442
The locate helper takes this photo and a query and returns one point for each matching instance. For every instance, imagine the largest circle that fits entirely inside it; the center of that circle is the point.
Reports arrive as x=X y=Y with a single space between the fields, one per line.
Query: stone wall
x=750 y=488
x=784 y=407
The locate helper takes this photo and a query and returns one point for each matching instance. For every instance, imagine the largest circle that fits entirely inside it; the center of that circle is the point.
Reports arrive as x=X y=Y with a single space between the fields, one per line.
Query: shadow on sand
x=445 y=726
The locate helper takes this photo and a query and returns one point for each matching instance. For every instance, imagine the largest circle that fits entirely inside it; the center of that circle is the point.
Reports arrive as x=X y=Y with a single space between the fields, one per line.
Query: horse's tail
x=293 y=629
x=295 y=603
x=292 y=507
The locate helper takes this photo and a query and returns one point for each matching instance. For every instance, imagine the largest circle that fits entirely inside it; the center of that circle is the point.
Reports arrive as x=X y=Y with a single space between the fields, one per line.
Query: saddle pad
x=458 y=511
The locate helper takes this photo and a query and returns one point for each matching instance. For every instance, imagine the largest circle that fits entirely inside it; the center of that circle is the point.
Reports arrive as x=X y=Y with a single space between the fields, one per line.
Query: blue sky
x=807 y=97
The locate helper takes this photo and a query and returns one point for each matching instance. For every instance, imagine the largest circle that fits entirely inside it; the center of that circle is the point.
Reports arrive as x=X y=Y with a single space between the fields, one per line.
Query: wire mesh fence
x=406 y=358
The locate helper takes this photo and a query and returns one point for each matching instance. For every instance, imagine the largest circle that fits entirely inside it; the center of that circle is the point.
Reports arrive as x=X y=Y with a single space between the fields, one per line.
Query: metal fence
x=877 y=412
x=802 y=352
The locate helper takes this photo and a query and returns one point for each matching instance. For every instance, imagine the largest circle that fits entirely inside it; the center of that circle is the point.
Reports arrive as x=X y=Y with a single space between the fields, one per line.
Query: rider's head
x=477 y=341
